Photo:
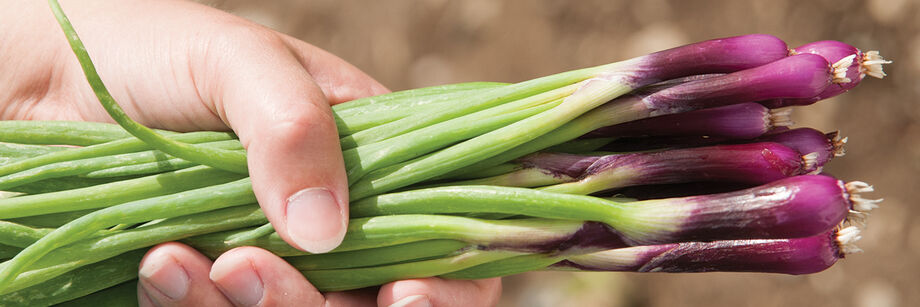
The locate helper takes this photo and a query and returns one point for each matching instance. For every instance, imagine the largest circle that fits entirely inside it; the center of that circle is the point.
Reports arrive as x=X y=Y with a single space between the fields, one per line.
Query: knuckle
x=295 y=131
x=308 y=118
x=242 y=34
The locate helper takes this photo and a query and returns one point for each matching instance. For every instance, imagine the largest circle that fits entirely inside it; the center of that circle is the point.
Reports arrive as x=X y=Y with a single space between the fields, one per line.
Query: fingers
x=284 y=120
x=440 y=292
x=339 y=80
x=173 y=274
x=251 y=276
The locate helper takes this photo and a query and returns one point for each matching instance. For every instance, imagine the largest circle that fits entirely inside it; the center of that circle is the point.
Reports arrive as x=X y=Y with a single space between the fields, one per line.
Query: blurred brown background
x=407 y=44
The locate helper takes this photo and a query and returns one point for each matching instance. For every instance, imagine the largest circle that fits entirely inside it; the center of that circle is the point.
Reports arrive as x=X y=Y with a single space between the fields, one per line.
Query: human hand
x=182 y=66
x=173 y=274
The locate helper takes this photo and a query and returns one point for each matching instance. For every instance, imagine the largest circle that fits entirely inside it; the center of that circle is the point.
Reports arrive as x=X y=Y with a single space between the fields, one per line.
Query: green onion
x=108 y=244
x=60 y=133
x=402 y=104
x=77 y=283
x=114 y=193
x=414 y=251
x=195 y=186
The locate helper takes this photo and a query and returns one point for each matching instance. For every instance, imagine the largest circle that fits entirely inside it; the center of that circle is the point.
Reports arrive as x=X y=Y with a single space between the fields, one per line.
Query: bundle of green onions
x=470 y=180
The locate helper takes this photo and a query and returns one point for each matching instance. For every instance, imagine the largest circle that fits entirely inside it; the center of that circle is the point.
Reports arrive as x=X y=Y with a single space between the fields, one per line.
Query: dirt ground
x=407 y=44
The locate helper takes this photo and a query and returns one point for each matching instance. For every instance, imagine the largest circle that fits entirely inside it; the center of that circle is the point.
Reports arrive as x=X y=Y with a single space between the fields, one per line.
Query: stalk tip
x=871 y=64
x=857 y=218
x=864 y=205
x=860 y=206
x=846 y=240
x=810 y=161
x=839 y=69
x=779 y=118
x=858 y=187
x=837 y=142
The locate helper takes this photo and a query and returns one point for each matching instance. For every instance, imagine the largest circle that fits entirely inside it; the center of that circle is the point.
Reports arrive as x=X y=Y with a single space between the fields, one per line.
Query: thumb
x=285 y=122
x=339 y=80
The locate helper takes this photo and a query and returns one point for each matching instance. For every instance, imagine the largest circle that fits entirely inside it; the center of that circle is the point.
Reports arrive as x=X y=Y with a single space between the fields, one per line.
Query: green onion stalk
x=159 y=186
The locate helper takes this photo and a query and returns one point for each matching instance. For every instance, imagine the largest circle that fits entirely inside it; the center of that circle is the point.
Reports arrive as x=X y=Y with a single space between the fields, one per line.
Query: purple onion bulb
x=794 y=207
x=739 y=121
x=850 y=67
x=807 y=141
x=788 y=256
x=722 y=55
x=798 y=76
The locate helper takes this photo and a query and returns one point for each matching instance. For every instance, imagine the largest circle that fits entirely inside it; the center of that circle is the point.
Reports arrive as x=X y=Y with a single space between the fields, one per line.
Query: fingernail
x=315 y=221
x=413 y=301
x=165 y=276
x=241 y=285
x=143 y=299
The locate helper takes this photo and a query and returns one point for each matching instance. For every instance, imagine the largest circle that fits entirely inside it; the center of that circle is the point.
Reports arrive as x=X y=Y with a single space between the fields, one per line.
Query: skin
x=183 y=66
